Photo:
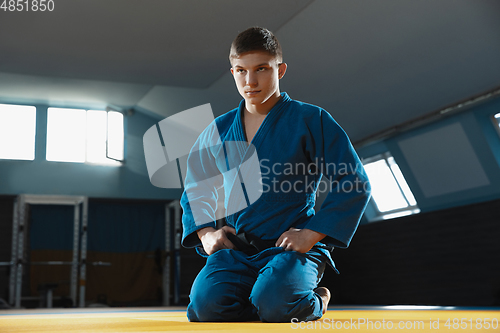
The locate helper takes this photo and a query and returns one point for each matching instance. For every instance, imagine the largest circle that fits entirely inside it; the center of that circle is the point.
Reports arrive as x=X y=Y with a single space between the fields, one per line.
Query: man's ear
x=231 y=69
x=282 y=70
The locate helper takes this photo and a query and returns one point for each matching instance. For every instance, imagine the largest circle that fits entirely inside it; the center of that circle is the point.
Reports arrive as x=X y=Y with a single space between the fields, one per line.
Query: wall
x=452 y=162
x=445 y=257
x=43 y=177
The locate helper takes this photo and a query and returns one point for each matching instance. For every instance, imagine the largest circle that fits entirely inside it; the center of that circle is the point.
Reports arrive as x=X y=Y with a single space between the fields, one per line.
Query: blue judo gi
x=297 y=144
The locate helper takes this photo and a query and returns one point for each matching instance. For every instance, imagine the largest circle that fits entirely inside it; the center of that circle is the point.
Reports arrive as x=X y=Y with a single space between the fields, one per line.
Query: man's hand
x=300 y=240
x=214 y=240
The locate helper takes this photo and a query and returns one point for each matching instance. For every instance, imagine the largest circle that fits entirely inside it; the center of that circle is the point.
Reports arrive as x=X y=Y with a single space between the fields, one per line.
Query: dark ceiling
x=372 y=64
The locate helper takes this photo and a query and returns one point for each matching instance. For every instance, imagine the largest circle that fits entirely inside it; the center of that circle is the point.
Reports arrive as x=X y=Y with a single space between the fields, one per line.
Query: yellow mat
x=358 y=319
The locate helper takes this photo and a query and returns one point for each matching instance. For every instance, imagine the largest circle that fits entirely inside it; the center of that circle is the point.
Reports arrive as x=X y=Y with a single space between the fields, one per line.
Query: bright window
x=82 y=136
x=496 y=122
x=115 y=139
x=17 y=132
x=391 y=194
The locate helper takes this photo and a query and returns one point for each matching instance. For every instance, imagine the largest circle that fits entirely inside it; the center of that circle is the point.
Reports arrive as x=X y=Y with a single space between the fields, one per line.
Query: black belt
x=248 y=244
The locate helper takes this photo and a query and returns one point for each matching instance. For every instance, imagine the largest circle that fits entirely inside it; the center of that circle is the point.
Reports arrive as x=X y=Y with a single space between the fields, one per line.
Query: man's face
x=257 y=75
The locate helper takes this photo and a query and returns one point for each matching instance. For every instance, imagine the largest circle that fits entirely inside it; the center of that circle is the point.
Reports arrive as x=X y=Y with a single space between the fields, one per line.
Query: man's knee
x=205 y=297
x=282 y=289
x=201 y=307
x=281 y=305
x=271 y=307
x=220 y=304
x=216 y=294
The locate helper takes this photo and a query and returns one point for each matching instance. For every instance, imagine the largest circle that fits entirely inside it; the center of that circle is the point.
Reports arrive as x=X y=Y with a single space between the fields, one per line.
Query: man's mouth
x=252 y=92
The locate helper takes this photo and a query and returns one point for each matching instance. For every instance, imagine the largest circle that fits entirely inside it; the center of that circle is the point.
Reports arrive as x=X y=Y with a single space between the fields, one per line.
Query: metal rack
x=172 y=252
x=19 y=237
x=79 y=258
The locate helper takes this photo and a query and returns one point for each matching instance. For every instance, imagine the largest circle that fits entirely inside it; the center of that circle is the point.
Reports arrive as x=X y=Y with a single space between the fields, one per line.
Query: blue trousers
x=272 y=286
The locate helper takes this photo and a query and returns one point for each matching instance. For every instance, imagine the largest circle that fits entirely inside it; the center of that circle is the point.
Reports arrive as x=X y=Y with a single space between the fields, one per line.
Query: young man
x=266 y=263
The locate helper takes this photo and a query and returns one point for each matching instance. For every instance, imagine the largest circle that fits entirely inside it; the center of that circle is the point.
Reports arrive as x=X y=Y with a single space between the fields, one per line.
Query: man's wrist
x=314 y=236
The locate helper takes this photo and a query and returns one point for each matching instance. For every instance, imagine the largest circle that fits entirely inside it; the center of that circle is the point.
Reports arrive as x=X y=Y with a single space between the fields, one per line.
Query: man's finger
x=280 y=240
x=229 y=229
x=283 y=244
x=226 y=242
x=230 y=245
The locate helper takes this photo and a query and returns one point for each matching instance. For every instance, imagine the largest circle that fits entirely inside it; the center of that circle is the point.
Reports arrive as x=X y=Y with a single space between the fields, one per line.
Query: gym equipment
x=19 y=237
x=79 y=259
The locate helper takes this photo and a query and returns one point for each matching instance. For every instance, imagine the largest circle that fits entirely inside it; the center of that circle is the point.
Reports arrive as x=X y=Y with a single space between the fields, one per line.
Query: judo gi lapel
x=270 y=120
x=241 y=151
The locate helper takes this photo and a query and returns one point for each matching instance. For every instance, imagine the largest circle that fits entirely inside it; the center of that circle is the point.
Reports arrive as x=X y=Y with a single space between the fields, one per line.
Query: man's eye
x=261 y=69
x=240 y=70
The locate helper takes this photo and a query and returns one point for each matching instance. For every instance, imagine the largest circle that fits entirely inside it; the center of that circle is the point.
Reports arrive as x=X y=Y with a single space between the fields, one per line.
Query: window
x=497 y=120
x=391 y=195
x=115 y=138
x=17 y=132
x=90 y=136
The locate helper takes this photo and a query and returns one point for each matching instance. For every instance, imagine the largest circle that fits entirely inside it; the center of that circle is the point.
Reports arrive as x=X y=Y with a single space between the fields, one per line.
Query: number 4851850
x=27 y=5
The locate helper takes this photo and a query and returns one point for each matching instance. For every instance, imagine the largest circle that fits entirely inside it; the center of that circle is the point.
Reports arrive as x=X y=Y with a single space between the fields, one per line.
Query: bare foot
x=325 y=295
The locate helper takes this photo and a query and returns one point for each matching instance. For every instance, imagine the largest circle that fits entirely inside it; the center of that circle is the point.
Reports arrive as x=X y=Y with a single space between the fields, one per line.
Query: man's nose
x=251 y=80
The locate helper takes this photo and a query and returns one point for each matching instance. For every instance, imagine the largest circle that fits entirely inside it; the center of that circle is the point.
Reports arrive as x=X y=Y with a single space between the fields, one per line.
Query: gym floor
x=173 y=319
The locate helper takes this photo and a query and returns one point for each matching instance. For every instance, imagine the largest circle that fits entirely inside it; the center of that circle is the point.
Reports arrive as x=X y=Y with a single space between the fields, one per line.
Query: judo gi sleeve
x=203 y=178
x=349 y=194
